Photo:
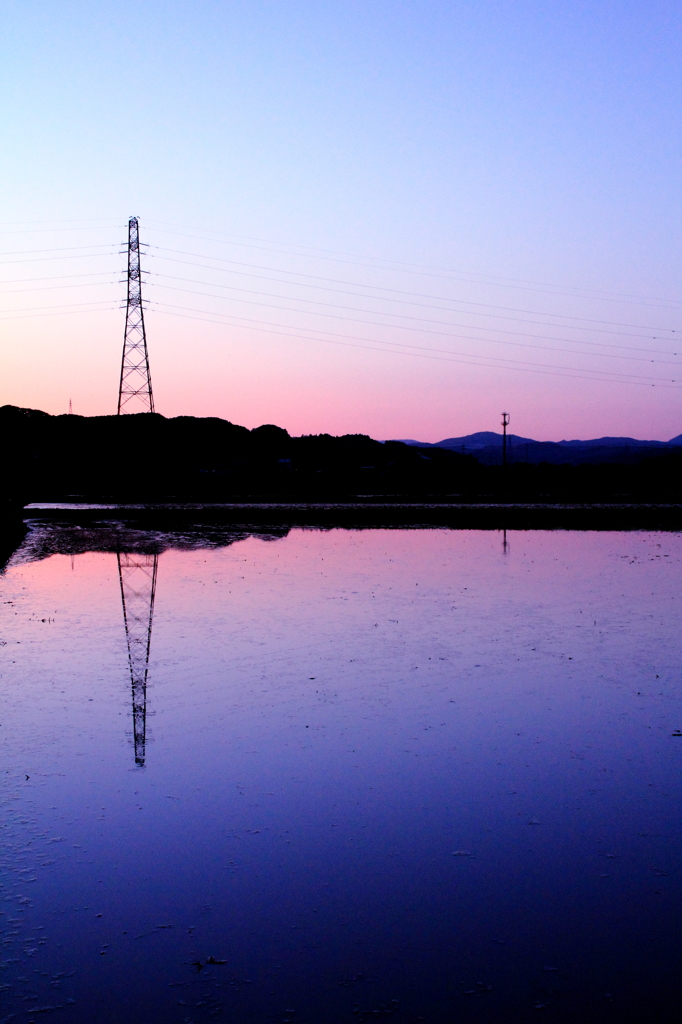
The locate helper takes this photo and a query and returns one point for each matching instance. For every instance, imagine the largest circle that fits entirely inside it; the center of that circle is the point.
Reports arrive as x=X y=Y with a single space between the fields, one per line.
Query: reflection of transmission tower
x=136 y=382
x=137 y=576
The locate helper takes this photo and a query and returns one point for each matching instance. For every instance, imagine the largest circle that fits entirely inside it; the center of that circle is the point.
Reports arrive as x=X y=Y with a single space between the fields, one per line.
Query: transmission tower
x=136 y=382
x=137 y=576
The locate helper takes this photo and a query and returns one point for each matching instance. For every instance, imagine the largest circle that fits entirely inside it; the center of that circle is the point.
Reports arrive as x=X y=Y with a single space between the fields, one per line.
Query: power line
x=59 y=277
x=49 y=259
x=377 y=294
x=83 y=225
x=56 y=287
x=437 y=272
x=417 y=320
x=63 y=305
x=68 y=248
x=393 y=291
x=29 y=316
x=420 y=350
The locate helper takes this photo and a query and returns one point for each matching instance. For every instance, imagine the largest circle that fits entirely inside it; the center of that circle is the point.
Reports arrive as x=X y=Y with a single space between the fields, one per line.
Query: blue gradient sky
x=431 y=211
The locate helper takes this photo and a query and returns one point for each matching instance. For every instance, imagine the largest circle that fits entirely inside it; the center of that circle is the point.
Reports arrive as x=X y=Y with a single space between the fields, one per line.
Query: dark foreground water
x=369 y=774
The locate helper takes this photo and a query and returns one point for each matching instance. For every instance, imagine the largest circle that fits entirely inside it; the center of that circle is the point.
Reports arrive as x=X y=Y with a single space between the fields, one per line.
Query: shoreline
x=365 y=514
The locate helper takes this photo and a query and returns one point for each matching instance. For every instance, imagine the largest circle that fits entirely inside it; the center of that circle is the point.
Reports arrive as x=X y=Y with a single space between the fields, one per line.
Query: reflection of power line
x=137 y=576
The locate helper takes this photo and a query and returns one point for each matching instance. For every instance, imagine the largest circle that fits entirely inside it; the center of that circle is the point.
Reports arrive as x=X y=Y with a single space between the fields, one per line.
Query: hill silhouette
x=486 y=445
x=148 y=457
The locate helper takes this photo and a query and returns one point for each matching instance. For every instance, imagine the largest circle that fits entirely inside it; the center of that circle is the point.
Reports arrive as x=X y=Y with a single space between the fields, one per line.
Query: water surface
x=347 y=775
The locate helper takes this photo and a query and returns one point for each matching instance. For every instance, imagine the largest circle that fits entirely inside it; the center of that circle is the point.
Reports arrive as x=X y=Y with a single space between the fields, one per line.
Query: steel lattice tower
x=137 y=576
x=136 y=382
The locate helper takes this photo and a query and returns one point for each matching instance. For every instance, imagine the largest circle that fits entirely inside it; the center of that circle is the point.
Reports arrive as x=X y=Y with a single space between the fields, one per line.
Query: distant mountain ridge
x=486 y=446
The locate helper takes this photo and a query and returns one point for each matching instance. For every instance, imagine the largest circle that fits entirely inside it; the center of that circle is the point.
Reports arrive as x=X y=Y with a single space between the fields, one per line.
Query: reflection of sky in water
x=380 y=765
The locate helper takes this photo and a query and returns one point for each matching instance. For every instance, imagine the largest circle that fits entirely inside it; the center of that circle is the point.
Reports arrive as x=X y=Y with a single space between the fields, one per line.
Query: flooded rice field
x=344 y=775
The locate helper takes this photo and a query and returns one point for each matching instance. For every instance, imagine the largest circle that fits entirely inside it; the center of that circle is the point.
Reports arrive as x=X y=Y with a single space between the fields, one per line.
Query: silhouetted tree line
x=148 y=457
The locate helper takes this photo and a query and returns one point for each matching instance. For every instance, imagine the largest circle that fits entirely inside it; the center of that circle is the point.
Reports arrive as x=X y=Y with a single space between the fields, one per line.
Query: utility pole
x=136 y=383
x=505 y=424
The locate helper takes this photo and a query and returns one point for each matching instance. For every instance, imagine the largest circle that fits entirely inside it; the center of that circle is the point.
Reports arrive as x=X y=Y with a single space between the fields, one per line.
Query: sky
x=396 y=218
